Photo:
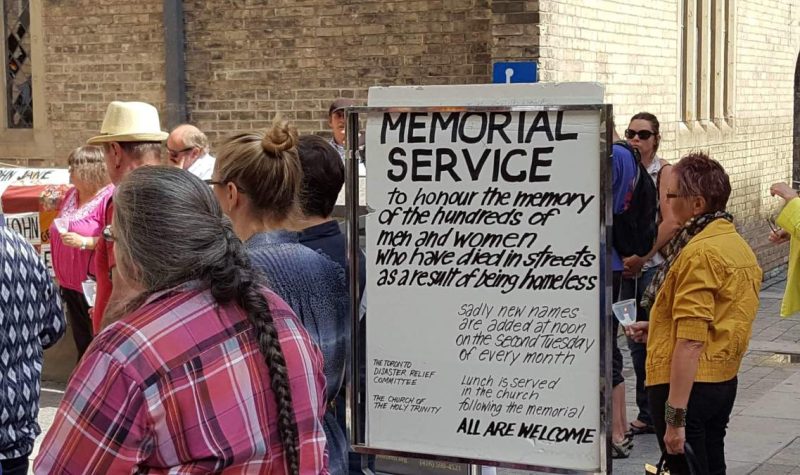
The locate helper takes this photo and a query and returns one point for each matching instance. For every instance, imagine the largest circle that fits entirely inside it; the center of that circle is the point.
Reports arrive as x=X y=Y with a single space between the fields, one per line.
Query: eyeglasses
x=107 y=234
x=671 y=196
x=175 y=153
x=210 y=182
x=643 y=134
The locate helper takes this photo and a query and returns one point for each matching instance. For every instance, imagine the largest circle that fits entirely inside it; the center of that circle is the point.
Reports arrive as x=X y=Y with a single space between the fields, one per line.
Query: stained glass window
x=19 y=90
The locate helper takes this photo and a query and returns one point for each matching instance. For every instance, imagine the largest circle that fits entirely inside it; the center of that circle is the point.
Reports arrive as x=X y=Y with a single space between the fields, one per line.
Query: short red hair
x=699 y=175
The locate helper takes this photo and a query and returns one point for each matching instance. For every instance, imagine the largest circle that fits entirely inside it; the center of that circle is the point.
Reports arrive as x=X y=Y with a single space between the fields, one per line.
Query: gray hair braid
x=160 y=204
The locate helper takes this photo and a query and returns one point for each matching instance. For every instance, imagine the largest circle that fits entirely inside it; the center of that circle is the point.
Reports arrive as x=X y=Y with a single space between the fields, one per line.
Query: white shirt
x=203 y=167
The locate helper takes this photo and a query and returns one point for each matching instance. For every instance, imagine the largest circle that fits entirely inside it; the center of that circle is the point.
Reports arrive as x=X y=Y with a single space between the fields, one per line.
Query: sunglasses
x=643 y=134
x=672 y=196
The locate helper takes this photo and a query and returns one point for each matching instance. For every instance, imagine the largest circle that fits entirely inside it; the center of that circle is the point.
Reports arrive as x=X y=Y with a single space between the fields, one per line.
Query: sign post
x=486 y=339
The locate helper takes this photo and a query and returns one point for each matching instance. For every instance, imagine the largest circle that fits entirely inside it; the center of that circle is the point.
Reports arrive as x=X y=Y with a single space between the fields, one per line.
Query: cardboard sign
x=27 y=225
x=32 y=176
x=484 y=275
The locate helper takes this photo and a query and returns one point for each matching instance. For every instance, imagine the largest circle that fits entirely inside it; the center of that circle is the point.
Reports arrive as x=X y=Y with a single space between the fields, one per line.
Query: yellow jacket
x=710 y=294
x=789 y=221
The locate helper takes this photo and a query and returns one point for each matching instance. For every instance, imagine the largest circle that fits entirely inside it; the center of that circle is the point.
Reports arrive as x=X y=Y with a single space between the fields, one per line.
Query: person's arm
x=78 y=241
x=669 y=225
x=666 y=229
x=53 y=323
x=789 y=217
x=685 y=358
x=100 y=426
x=693 y=311
x=637 y=331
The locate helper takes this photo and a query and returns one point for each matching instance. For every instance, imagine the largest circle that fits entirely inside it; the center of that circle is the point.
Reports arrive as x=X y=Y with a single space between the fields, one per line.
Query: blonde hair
x=89 y=165
x=265 y=166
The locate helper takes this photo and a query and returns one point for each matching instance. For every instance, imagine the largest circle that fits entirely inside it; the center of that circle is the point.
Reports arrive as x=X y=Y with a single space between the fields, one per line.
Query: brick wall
x=97 y=52
x=247 y=62
x=515 y=30
x=633 y=48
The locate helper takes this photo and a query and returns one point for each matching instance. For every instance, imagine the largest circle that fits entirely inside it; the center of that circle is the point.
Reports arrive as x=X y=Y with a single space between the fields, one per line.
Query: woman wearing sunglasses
x=643 y=134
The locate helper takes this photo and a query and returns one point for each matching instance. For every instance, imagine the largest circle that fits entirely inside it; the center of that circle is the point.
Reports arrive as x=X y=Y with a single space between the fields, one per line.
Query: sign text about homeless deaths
x=483 y=283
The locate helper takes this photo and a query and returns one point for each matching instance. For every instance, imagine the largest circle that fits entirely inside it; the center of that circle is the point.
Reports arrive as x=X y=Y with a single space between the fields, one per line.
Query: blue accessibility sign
x=516 y=71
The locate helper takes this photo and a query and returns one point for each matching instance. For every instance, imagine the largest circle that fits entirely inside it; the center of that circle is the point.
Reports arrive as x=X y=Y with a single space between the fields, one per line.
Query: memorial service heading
x=424 y=164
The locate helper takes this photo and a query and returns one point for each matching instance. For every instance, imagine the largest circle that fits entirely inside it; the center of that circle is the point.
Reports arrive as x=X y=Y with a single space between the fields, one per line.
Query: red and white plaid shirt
x=180 y=386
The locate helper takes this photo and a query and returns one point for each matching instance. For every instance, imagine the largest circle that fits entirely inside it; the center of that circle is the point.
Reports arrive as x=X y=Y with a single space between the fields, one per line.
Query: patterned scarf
x=673 y=249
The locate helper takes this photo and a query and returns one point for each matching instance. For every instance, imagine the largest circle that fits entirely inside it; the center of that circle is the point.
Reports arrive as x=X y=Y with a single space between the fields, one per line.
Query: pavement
x=764 y=432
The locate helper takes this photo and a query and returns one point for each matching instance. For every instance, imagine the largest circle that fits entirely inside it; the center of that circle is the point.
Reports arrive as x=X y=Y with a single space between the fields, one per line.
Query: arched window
x=19 y=70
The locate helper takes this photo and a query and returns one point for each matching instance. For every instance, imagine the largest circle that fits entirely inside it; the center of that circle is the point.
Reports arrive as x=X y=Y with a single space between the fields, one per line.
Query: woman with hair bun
x=206 y=371
x=257 y=179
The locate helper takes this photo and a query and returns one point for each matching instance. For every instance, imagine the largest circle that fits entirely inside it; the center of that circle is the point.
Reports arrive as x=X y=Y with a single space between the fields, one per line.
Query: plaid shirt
x=180 y=386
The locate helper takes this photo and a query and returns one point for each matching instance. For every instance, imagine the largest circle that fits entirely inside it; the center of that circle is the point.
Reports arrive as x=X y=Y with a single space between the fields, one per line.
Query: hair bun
x=279 y=138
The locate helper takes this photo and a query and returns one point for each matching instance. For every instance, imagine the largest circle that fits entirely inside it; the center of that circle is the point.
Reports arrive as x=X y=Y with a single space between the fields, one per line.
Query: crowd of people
x=209 y=304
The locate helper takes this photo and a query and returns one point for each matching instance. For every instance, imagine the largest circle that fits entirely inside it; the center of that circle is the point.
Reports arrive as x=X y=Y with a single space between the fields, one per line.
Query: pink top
x=70 y=263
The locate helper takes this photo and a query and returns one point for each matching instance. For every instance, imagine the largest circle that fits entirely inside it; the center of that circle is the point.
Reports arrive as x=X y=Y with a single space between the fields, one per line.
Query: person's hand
x=637 y=331
x=674 y=439
x=72 y=239
x=783 y=190
x=632 y=266
x=779 y=237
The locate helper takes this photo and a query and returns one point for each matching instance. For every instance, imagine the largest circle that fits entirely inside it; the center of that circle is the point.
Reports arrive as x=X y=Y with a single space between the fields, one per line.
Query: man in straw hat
x=131 y=137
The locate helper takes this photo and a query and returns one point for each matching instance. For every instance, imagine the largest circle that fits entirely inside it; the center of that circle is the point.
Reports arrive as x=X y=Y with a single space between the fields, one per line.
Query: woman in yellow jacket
x=789 y=223
x=704 y=300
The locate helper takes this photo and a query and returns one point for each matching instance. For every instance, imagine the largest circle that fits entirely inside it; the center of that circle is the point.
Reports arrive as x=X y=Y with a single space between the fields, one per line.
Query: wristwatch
x=83 y=244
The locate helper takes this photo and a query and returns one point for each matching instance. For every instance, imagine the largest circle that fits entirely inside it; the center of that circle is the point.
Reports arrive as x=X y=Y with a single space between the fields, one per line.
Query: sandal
x=621 y=450
x=638 y=430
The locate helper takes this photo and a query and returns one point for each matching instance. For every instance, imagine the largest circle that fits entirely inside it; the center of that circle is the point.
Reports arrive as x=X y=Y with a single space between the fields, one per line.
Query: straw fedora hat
x=130 y=122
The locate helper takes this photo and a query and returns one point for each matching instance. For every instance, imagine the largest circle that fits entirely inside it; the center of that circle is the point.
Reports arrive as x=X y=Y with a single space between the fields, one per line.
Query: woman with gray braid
x=207 y=371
